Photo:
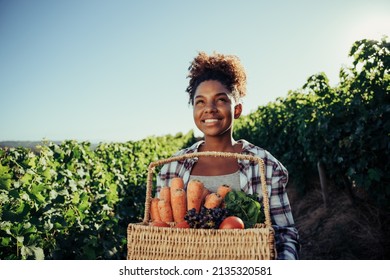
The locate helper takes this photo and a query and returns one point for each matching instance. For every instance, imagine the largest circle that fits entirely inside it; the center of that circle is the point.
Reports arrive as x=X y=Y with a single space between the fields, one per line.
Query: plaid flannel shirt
x=286 y=235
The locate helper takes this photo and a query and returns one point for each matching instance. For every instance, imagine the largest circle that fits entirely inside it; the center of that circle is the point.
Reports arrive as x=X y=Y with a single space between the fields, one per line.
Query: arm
x=172 y=170
x=287 y=244
x=164 y=176
x=286 y=235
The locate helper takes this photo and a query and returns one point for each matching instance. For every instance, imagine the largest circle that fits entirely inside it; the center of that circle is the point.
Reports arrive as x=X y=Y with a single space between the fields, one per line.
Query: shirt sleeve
x=172 y=170
x=286 y=234
x=287 y=242
x=162 y=177
x=167 y=172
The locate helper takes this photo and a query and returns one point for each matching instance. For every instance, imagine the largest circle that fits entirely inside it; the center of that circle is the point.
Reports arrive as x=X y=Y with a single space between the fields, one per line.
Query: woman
x=217 y=84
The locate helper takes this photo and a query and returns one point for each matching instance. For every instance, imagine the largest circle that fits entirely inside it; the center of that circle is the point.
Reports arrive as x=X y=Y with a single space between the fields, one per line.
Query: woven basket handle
x=152 y=166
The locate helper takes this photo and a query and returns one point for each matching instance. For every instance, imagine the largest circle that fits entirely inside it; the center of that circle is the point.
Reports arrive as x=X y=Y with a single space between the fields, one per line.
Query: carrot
x=160 y=224
x=179 y=205
x=165 y=194
x=154 y=212
x=183 y=224
x=165 y=211
x=194 y=195
x=213 y=200
x=176 y=183
x=205 y=193
x=223 y=190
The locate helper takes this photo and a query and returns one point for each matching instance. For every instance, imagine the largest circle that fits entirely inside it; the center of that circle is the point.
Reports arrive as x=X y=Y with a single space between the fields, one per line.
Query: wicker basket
x=145 y=242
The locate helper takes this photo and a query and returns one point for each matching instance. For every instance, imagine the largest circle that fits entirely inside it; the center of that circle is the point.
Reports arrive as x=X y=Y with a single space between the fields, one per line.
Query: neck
x=217 y=144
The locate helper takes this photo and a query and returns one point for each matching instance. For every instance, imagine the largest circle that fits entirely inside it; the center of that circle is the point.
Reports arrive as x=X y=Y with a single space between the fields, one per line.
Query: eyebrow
x=218 y=94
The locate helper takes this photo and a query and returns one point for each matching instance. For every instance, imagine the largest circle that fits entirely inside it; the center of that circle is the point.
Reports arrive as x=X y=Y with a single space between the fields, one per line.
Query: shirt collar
x=195 y=147
x=247 y=147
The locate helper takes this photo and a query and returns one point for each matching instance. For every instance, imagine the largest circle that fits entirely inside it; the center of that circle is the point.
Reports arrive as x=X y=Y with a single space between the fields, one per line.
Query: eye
x=199 y=102
x=222 y=99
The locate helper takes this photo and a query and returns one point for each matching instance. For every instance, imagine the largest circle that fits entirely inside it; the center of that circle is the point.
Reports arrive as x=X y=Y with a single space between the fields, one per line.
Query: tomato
x=232 y=222
x=182 y=224
x=160 y=224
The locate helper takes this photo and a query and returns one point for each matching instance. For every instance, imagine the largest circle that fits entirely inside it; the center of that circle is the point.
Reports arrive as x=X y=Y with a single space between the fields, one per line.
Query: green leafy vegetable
x=244 y=206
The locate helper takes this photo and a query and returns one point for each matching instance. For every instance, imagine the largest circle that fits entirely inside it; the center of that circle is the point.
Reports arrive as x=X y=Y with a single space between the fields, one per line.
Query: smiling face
x=215 y=109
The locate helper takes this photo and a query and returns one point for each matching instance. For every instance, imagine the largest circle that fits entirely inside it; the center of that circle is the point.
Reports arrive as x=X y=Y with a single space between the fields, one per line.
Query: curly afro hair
x=226 y=69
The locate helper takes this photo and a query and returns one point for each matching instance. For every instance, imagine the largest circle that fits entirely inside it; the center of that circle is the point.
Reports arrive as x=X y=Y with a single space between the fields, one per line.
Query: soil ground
x=347 y=229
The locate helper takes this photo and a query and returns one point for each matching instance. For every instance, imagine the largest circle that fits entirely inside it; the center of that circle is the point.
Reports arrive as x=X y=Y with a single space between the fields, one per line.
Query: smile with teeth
x=210 y=120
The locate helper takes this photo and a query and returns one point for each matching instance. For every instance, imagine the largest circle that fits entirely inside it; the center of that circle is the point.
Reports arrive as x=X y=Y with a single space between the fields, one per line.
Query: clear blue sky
x=116 y=70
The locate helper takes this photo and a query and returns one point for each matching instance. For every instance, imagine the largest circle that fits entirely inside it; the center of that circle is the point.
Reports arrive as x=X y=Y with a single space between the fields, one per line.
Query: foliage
x=347 y=127
x=245 y=206
x=72 y=202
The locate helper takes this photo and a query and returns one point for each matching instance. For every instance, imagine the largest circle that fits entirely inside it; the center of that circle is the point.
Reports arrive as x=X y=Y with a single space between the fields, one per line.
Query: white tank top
x=213 y=182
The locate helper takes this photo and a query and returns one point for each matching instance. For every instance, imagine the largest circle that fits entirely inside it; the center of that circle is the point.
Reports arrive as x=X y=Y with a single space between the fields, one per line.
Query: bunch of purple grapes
x=206 y=218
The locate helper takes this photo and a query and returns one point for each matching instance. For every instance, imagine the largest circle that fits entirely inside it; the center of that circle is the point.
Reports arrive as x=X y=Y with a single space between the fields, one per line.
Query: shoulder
x=191 y=149
x=268 y=158
x=249 y=148
x=178 y=168
x=186 y=163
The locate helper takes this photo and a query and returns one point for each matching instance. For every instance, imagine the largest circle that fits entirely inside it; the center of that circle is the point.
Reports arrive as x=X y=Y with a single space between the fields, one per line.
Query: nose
x=210 y=107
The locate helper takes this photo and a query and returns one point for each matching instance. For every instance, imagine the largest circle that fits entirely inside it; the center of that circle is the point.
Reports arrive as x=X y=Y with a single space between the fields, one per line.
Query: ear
x=237 y=110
